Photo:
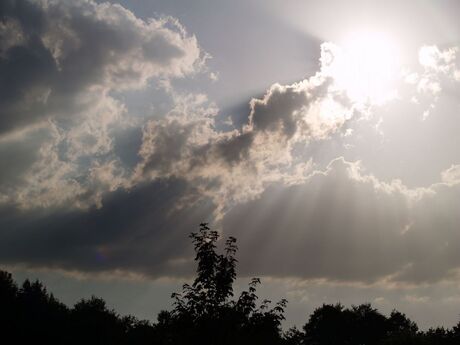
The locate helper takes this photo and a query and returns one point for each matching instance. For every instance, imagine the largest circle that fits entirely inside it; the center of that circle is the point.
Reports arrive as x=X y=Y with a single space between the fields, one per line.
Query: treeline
x=205 y=312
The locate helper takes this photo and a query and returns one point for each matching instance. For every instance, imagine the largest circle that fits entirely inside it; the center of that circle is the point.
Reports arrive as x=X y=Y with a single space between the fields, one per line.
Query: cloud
x=62 y=64
x=344 y=225
x=237 y=165
x=76 y=180
x=143 y=230
x=451 y=176
x=438 y=76
x=72 y=199
x=62 y=56
x=339 y=225
x=432 y=58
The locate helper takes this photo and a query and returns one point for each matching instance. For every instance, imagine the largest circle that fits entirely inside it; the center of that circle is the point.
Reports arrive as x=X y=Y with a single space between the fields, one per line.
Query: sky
x=323 y=135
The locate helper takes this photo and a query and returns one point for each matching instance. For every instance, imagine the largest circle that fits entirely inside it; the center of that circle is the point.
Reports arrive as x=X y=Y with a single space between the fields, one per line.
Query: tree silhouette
x=9 y=313
x=216 y=273
x=369 y=326
x=328 y=325
x=205 y=312
x=334 y=324
x=92 y=319
x=401 y=330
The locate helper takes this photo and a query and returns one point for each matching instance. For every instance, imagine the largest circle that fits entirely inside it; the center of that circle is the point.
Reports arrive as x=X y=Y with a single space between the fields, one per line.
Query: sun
x=367 y=67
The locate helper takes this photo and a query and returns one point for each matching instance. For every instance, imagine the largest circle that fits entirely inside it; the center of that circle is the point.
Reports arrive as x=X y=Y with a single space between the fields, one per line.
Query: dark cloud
x=26 y=74
x=236 y=148
x=166 y=145
x=279 y=110
x=143 y=230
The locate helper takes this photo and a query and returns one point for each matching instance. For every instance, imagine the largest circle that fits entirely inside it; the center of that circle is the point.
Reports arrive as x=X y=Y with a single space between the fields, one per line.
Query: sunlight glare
x=368 y=67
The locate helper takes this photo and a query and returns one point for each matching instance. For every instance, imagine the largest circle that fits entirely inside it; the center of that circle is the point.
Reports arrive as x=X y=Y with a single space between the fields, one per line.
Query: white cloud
x=434 y=59
x=451 y=176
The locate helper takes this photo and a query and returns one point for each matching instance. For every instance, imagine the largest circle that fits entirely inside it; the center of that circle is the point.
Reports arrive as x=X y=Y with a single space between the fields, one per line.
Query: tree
x=401 y=330
x=336 y=325
x=329 y=324
x=40 y=314
x=94 y=322
x=213 y=285
x=204 y=310
x=437 y=336
x=8 y=303
x=293 y=336
x=369 y=325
